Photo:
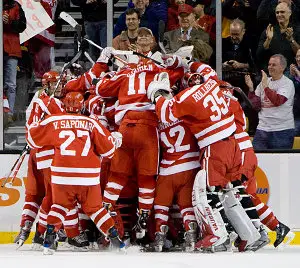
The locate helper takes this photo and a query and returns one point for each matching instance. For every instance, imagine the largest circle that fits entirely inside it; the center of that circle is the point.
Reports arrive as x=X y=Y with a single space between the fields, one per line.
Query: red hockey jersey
x=85 y=81
x=44 y=105
x=130 y=86
x=78 y=141
x=180 y=151
x=240 y=135
x=202 y=108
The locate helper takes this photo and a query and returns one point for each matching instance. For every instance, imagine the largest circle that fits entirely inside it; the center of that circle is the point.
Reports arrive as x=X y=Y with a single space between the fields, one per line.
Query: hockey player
x=178 y=167
x=249 y=163
x=203 y=109
x=38 y=174
x=78 y=141
x=139 y=152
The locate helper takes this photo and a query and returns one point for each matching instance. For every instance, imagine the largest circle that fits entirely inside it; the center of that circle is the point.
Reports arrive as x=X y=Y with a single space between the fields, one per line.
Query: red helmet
x=51 y=76
x=192 y=79
x=73 y=102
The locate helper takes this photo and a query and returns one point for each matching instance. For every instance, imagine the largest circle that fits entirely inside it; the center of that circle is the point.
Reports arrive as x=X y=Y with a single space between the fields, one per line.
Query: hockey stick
x=16 y=166
x=125 y=52
x=161 y=30
x=242 y=93
x=69 y=19
x=101 y=48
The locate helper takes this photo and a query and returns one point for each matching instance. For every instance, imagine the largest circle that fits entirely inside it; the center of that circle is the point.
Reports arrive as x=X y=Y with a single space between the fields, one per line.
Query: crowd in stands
x=260 y=51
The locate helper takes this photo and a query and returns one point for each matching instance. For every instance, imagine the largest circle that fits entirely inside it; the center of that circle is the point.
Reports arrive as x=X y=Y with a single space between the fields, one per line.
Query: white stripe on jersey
x=44 y=153
x=84 y=181
x=217 y=136
x=178 y=168
x=215 y=126
x=75 y=170
x=72 y=117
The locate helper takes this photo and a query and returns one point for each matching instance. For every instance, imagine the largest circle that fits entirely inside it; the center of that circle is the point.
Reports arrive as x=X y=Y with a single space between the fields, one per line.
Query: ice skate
x=283 y=231
x=115 y=242
x=141 y=226
x=24 y=234
x=261 y=242
x=160 y=238
x=79 y=242
x=50 y=243
x=38 y=240
x=190 y=237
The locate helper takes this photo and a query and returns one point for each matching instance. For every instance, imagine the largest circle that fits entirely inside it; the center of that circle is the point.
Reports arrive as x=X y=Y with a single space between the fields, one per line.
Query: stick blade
x=68 y=18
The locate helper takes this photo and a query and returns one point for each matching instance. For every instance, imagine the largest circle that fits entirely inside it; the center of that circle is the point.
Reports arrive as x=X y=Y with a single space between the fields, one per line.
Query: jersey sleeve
x=39 y=135
x=169 y=111
x=205 y=70
x=85 y=81
x=102 y=140
x=175 y=74
x=109 y=87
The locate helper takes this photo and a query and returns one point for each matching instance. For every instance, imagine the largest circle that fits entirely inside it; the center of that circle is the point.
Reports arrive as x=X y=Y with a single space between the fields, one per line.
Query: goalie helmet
x=192 y=79
x=73 y=102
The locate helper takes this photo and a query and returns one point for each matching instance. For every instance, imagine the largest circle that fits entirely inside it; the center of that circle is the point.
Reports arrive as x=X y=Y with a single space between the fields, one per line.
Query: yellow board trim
x=8 y=237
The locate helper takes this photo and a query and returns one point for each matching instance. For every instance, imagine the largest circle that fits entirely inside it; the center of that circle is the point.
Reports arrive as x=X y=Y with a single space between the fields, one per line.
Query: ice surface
x=265 y=258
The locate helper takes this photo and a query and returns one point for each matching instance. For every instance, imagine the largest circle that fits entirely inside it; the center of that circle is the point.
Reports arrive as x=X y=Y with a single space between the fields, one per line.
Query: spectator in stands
x=295 y=74
x=235 y=54
x=151 y=13
x=127 y=38
x=187 y=35
x=95 y=22
x=14 y=23
x=24 y=82
x=173 y=22
x=266 y=11
x=282 y=37
x=273 y=98
x=245 y=10
x=41 y=46
x=206 y=22
x=145 y=41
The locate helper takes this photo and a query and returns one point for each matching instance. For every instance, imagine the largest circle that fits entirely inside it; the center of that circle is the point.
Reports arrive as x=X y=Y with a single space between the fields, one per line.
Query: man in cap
x=187 y=35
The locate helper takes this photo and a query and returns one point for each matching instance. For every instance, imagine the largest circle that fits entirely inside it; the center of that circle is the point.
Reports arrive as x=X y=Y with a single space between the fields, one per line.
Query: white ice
x=265 y=258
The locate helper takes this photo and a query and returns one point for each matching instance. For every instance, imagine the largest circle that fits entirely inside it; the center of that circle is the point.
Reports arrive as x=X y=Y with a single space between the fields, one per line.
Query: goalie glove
x=106 y=54
x=117 y=138
x=160 y=86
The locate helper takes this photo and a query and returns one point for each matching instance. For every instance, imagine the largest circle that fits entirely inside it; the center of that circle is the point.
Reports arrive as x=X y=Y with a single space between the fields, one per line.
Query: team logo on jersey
x=263 y=188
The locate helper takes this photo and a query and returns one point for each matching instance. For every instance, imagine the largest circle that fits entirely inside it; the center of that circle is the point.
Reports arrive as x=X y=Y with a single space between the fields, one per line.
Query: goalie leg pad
x=209 y=219
x=238 y=218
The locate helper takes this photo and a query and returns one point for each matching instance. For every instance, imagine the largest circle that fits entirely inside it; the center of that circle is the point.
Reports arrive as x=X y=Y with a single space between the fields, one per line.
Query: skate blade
x=259 y=246
x=48 y=251
x=79 y=249
x=19 y=243
x=36 y=247
x=290 y=237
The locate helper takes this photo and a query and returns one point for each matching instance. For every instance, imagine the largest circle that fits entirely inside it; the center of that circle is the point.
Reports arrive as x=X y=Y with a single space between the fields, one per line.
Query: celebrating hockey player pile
x=171 y=136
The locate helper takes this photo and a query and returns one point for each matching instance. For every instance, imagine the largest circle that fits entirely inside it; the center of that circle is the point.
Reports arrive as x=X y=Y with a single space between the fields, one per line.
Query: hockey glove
x=106 y=54
x=160 y=86
x=117 y=138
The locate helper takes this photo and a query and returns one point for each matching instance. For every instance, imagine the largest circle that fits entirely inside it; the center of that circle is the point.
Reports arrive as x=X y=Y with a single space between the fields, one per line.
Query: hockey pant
x=178 y=185
x=116 y=183
x=89 y=197
x=249 y=162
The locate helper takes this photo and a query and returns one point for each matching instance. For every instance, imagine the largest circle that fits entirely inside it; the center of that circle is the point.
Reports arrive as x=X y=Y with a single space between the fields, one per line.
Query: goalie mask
x=192 y=79
x=73 y=102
